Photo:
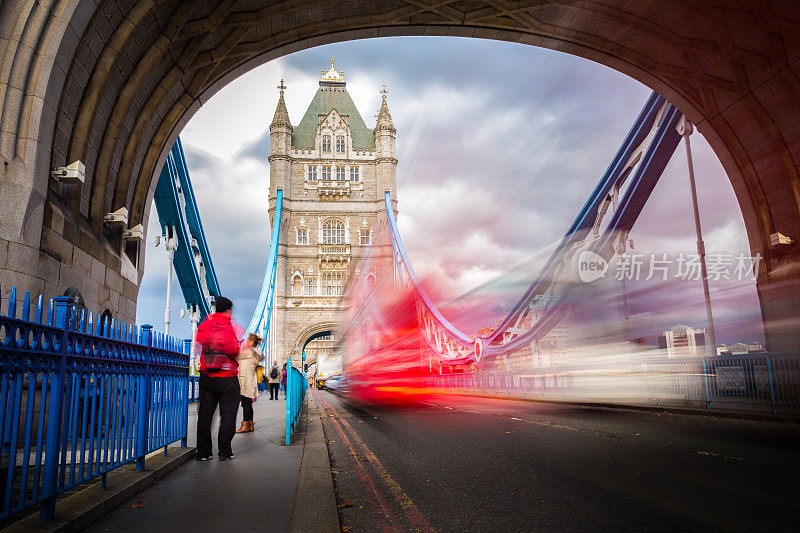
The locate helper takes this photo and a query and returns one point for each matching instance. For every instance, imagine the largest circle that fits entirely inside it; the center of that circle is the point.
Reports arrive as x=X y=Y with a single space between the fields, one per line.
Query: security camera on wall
x=135 y=233
x=117 y=218
x=73 y=173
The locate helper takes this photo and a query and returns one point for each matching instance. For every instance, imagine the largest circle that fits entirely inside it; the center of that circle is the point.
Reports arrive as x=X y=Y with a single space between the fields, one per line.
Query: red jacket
x=216 y=334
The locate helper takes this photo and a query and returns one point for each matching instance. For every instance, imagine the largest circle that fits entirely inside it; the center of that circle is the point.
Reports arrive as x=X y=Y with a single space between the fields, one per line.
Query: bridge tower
x=334 y=172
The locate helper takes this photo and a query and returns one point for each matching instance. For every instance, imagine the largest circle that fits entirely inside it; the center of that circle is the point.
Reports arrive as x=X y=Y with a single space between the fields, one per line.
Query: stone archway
x=312 y=332
x=111 y=83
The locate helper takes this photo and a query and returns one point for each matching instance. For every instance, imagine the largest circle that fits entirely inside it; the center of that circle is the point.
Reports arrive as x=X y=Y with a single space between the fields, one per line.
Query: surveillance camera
x=777 y=239
x=118 y=217
x=73 y=173
x=136 y=232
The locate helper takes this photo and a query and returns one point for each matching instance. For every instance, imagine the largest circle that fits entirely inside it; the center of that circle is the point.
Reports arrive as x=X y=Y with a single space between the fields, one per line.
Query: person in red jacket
x=219 y=381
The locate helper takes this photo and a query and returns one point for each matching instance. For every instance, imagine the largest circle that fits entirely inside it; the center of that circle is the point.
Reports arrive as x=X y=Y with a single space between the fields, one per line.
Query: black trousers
x=247 y=409
x=273 y=388
x=222 y=391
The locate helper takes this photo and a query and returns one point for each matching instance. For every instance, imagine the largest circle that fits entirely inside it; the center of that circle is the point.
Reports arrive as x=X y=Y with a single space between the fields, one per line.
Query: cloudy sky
x=498 y=145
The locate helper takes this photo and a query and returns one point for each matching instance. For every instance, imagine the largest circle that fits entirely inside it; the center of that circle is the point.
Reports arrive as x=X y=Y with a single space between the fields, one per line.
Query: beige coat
x=248 y=360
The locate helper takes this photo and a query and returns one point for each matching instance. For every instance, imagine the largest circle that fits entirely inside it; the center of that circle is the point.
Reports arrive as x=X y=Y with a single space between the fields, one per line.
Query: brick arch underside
x=112 y=83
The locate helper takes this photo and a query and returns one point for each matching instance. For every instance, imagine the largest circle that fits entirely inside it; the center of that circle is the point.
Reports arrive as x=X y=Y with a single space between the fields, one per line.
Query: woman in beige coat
x=248 y=360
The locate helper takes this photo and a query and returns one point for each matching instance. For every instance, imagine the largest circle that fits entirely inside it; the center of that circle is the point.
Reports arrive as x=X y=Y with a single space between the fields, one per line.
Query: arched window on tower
x=340 y=144
x=326 y=143
x=333 y=232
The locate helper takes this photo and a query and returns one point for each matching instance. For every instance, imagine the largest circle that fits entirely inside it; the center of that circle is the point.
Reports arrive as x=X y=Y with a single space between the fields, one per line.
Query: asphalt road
x=473 y=464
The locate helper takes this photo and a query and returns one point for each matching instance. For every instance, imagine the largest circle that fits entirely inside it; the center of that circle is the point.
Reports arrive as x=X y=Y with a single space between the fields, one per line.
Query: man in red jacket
x=219 y=382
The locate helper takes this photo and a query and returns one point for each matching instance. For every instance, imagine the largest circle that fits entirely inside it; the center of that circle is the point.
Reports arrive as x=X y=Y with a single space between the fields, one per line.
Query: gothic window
x=326 y=143
x=310 y=287
x=340 y=173
x=340 y=144
x=365 y=235
x=302 y=236
x=326 y=173
x=333 y=232
x=332 y=283
x=354 y=176
x=312 y=173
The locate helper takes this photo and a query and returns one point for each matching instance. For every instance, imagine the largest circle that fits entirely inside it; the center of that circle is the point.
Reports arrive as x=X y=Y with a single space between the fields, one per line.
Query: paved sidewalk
x=255 y=491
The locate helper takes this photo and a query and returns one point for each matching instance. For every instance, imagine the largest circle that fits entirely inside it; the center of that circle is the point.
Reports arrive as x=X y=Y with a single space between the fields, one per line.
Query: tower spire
x=384 y=117
x=281 y=117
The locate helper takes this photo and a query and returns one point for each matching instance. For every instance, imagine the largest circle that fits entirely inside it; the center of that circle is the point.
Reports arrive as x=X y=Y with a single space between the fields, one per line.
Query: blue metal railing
x=79 y=399
x=758 y=381
x=296 y=385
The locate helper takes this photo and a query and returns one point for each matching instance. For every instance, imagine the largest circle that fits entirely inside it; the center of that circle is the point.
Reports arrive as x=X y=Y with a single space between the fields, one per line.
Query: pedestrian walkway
x=255 y=491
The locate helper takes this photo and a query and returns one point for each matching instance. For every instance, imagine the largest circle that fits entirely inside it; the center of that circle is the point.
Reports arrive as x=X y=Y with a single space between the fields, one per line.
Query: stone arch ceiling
x=112 y=82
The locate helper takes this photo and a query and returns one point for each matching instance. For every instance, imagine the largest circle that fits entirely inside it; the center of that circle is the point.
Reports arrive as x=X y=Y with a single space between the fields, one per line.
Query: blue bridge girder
x=178 y=212
x=639 y=162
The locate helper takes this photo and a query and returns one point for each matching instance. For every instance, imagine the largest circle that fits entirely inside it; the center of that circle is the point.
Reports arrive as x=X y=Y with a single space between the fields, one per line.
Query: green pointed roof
x=328 y=98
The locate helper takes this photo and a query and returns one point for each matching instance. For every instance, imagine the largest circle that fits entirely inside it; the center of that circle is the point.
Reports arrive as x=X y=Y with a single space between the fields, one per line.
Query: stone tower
x=334 y=172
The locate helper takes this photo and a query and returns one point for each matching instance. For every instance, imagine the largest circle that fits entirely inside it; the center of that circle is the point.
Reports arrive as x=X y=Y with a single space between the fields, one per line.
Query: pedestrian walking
x=219 y=381
x=248 y=360
x=283 y=381
x=274 y=379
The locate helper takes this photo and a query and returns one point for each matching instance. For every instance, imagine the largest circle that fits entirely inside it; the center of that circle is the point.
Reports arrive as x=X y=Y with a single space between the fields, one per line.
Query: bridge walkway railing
x=80 y=399
x=760 y=381
x=296 y=386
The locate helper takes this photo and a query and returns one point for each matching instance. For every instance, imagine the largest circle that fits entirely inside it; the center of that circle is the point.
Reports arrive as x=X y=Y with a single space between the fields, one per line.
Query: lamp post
x=171 y=244
x=685 y=128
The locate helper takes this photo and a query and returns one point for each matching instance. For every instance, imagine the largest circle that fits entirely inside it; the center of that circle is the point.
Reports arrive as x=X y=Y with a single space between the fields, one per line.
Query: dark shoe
x=227 y=457
x=201 y=458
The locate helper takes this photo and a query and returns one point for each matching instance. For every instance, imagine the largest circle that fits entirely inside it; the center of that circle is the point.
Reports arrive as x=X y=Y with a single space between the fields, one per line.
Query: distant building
x=683 y=341
x=739 y=348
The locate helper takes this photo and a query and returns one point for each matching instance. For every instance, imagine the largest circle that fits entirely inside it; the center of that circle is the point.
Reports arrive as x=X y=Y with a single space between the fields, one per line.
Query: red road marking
x=380 y=507
x=413 y=514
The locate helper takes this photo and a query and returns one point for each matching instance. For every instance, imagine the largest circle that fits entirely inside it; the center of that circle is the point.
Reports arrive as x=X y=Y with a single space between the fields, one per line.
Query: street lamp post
x=685 y=128
x=171 y=244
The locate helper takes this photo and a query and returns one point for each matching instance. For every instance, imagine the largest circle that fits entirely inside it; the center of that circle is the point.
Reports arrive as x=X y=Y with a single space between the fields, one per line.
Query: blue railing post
x=187 y=349
x=288 y=401
x=771 y=388
x=705 y=382
x=55 y=413
x=142 y=400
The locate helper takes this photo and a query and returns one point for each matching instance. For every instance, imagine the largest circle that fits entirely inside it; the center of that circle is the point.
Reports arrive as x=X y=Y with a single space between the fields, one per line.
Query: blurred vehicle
x=328 y=381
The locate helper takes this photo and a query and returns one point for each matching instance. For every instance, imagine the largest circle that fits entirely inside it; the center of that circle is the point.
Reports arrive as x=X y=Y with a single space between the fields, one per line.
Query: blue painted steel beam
x=638 y=192
x=588 y=213
x=177 y=208
x=193 y=218
x=457 y=334
x=263 y=311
